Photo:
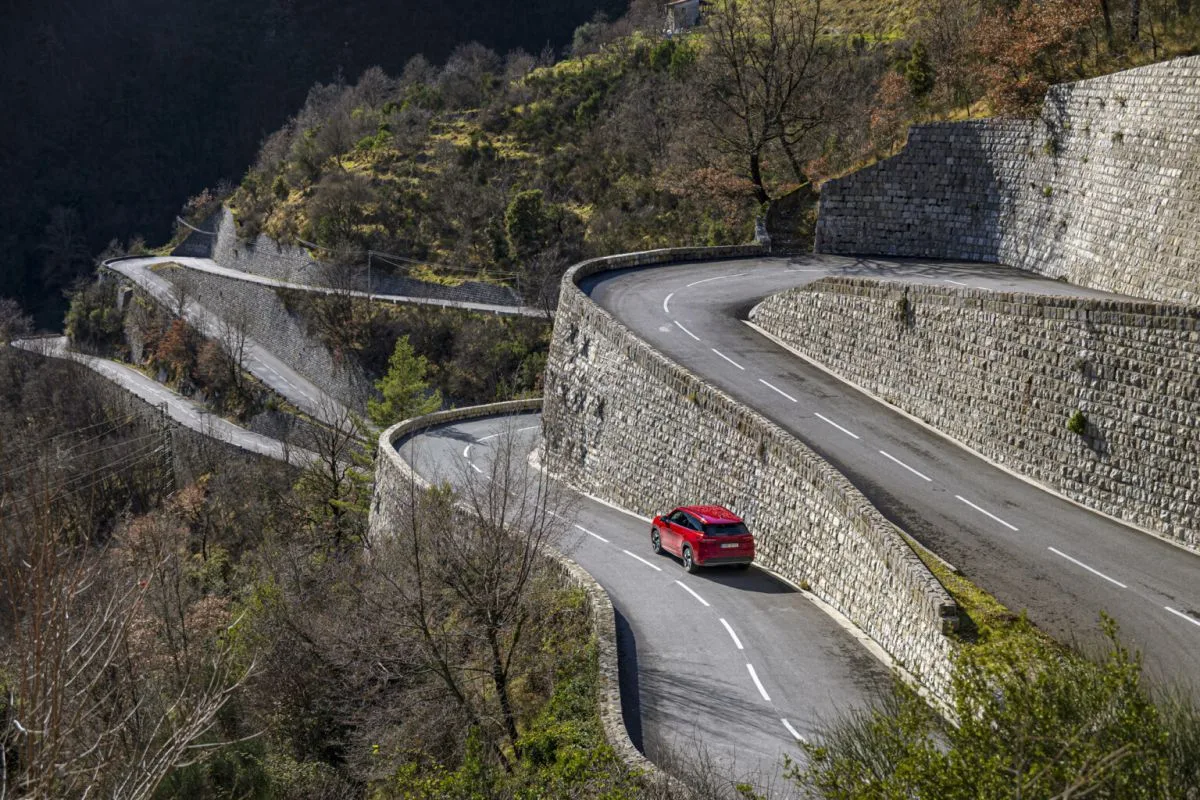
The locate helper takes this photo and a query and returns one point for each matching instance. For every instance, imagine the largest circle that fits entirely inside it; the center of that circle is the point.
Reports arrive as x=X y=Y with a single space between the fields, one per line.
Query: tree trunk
x=1135 y=20
x=500 y=679
x=760 y=191
x=1108 y=28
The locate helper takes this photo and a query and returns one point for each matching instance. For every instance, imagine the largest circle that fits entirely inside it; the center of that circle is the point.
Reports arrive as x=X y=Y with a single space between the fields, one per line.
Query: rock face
x=1005 y=373
x=1102 y=189
x=622 y=421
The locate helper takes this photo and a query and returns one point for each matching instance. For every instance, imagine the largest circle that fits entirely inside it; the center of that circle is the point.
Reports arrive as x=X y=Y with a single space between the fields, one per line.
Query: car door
x=689 y=533
x=670 y=532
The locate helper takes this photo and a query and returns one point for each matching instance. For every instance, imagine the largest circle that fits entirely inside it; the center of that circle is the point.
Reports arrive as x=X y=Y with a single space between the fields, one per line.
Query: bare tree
x=335 y=487
x=764 y=81
x=233 y=332
x=115 y=674
x=14 y=322
x=474 y=556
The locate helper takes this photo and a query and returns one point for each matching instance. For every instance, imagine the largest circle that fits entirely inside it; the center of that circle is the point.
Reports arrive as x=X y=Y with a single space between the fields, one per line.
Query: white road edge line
x=956 y=283
x=727 y=358
x=1188 y=617
x=985 y=512
x=530 y=428
x=692 y=592
x=758 y=683
x=685 y=330
x=719 y=277
x=793 y=731
x=644 y=561
x=776 y=388
x=589 y=533
x=477 y=469
x=1077 y=562
x=839 y=427
x=666 y=301
x=906 y=466
x=734 y=636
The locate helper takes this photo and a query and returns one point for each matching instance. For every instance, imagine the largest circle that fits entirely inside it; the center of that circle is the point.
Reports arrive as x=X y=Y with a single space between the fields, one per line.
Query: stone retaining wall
x=1004 y=372
x=1102 y=189
x=275 y=328
x=624 y=422
x=271 y=259
x=394 y=480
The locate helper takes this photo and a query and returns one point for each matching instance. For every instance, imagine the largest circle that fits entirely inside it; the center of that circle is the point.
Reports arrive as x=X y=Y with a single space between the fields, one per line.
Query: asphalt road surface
x=182 y=410
x=213 y=268
x=1032 y=549
x=732 y=663
x=257 y=360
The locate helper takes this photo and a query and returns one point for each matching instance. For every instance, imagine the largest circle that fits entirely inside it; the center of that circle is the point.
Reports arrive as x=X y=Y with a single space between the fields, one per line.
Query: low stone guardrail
x=394 y=476
x=625 y=422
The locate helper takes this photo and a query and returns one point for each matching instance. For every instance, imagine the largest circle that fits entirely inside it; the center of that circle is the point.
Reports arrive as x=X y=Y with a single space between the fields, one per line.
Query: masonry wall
x=271 y=259
x=281 y=332
x=1003 y=373
x=622 y=421
x=1102 y=189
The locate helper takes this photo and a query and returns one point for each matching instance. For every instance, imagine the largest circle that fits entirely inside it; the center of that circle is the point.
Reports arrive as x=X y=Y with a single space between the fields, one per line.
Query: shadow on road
x=627 y=675
x=750 y=580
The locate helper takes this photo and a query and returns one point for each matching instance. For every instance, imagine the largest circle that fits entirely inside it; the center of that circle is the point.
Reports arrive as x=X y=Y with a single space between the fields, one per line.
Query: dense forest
x=117 y=110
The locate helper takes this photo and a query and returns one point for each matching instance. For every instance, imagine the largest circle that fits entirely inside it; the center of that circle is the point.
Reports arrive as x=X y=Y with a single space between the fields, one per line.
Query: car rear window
x=725 y=529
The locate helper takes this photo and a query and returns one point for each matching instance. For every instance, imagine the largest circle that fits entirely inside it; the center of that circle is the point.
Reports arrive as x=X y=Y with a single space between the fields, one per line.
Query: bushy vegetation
x=522 y=165
x=1031 y=718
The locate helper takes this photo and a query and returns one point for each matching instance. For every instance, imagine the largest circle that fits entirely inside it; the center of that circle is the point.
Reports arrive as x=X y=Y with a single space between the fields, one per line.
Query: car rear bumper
x=716 y=561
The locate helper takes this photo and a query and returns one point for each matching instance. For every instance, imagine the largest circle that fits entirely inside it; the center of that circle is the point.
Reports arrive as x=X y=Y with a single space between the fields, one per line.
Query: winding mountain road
x=734 y=664
x=184 y=411
x=1034 y=550
x=257 y=360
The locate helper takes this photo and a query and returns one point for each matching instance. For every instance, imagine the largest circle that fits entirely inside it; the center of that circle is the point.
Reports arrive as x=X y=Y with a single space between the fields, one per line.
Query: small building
x=682 y=15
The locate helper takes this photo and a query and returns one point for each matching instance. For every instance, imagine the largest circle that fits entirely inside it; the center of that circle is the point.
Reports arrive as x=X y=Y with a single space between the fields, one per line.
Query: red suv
x=703 y=536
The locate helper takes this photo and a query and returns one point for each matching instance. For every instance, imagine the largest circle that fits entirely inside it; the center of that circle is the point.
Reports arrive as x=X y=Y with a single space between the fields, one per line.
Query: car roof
x=712 y=514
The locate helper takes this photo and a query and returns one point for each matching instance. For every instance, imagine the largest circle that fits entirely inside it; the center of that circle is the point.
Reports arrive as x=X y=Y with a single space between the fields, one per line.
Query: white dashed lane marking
x=906 y=466
x=849 y=433
x=732 y=635
x=667 y=302
x=594 y=535
x=727 y=358
x=685 y=330
x=758 y=683
x=777 y=389
x=644 y=561
x=1188 y=617
x=987 y=513
x=1079 y=563
x=795 y=733
x=692 y=592
x=718 y=278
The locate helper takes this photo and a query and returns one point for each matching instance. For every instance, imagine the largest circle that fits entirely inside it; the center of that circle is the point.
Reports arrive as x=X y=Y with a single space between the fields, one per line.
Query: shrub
x=1077 y=424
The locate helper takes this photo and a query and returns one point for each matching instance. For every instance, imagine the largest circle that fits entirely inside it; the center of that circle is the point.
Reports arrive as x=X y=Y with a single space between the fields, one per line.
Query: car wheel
x=688 y=563
x=655 y=541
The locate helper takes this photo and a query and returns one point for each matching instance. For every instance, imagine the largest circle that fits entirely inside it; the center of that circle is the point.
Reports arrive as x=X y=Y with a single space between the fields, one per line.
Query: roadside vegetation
x=1031 y=718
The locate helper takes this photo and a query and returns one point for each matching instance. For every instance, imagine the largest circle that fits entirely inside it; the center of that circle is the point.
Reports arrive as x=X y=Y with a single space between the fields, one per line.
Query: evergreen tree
x=406 y=393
